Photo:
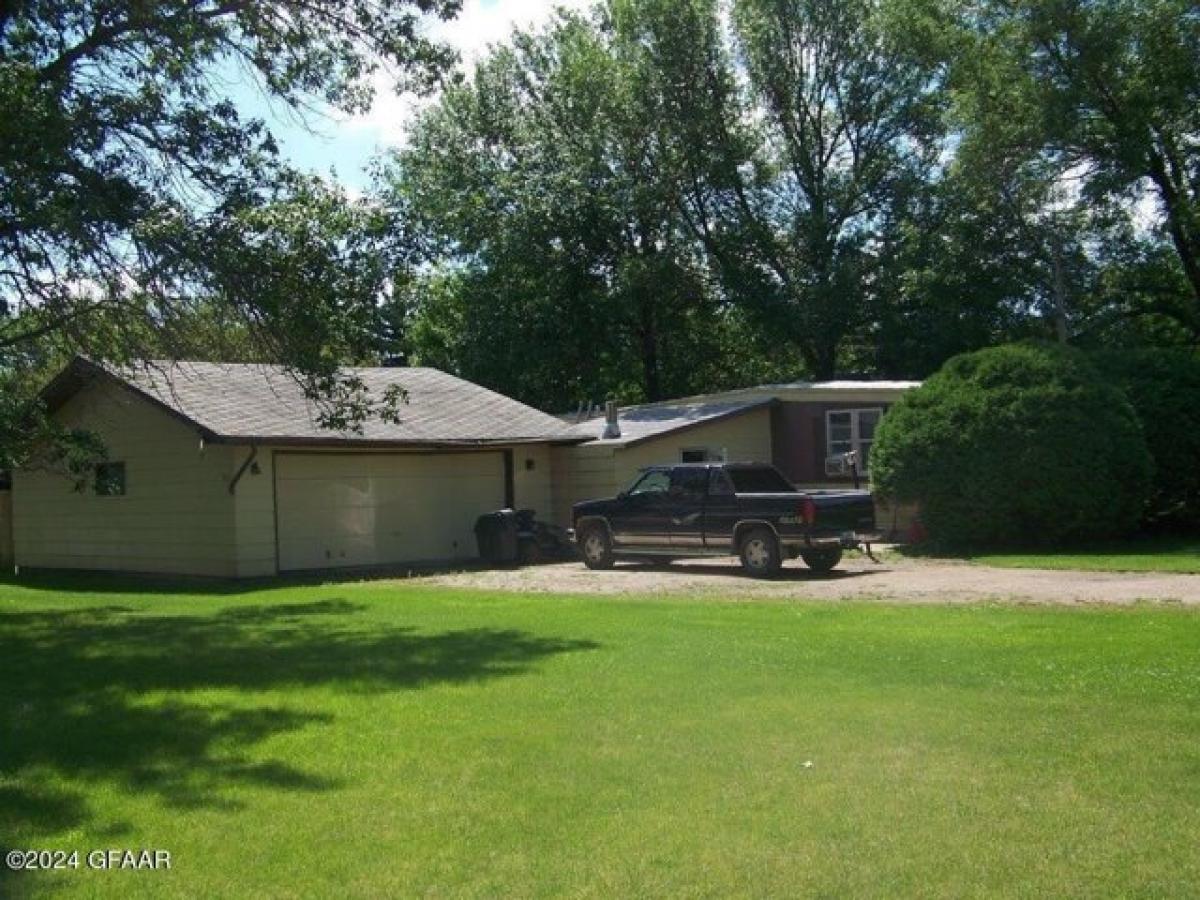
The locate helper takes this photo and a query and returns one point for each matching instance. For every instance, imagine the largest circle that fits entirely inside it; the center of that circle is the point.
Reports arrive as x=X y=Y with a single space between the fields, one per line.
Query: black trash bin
x=496 y=534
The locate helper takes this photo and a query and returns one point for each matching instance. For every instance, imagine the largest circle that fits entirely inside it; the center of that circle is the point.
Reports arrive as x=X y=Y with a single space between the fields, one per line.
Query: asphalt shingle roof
x=264 y=403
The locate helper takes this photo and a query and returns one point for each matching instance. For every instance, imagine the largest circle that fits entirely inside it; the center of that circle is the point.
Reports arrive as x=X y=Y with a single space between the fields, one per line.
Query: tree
x=1163 y=387
x=1115 y=91
x=562 y=270
x=848 y=136
x=131 y=189
x=141 y=216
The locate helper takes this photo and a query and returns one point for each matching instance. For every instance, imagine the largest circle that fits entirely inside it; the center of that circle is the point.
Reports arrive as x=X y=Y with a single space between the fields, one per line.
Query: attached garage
x=370 y=509
x=225 y=470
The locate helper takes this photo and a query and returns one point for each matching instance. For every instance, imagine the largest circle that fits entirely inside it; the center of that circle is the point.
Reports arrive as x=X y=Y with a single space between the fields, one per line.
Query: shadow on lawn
x=132 y=585
x=103 y=695
x=734 y=570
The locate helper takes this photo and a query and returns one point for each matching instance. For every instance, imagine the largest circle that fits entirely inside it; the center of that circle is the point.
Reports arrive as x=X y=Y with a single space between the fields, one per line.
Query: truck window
x=760 y=480
x=719 y=484
x=689 y=484
x=656 y=482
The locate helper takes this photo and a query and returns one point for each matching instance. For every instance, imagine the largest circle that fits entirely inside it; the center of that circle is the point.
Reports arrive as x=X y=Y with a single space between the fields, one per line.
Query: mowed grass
x=373 y=739
x=1171 y=554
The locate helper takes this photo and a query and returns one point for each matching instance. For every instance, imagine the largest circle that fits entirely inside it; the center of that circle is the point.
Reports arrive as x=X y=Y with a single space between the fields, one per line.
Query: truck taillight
x=808 y=511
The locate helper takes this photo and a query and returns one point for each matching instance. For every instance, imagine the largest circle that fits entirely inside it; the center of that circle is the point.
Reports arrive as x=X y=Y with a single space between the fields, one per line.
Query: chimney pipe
x=612 y=427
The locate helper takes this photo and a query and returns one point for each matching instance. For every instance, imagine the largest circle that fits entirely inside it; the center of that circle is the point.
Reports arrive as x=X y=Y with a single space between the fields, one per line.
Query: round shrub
x=1024 y=444
x=1164 y=388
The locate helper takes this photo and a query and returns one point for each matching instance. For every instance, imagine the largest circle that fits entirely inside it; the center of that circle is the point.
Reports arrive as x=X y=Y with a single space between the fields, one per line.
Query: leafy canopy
x=135 y=199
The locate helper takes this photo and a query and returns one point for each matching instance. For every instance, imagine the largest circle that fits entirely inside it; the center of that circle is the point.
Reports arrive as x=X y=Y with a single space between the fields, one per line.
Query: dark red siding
x=798 y=438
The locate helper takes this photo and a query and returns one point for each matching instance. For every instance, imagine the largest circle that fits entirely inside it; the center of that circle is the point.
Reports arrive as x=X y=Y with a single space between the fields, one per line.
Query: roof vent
x=612 y=427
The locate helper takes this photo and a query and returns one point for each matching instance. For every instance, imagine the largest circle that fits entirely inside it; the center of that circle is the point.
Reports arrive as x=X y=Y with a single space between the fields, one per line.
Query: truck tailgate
x=842 y=511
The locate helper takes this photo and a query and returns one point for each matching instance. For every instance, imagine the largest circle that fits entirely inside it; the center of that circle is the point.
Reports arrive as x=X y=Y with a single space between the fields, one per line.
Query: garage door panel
x=382 y=509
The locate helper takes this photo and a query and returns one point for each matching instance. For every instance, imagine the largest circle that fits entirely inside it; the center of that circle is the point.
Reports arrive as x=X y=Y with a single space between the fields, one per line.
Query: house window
x=849 y=430
x=5 y=480
x=110 y=479
x=700 y=454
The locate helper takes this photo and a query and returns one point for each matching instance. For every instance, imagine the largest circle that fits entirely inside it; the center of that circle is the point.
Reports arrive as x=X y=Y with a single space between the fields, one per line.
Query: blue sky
x=345 y=146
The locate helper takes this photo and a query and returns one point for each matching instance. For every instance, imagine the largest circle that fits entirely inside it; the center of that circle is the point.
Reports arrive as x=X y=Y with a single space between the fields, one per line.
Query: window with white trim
x=849 y=430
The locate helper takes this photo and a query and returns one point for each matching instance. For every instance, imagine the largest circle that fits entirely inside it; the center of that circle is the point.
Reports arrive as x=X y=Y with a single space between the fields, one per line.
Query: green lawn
x=376 y=740
x=1172 y=554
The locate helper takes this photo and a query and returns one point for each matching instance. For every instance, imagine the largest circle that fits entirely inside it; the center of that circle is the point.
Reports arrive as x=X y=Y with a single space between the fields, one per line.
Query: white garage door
x=365 y=509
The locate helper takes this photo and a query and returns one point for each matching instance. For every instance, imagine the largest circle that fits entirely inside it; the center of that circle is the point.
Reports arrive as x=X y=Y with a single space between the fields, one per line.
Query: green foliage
x=1019 y=444
x=850 y=132
x=1107 y=93
x=549 y=205
x=142 y=216
x=1164 y=388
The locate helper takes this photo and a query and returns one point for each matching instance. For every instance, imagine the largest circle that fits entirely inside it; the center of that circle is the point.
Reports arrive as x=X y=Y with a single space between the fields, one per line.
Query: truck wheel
x=821 y=560
x=596 y=548
x=759 y=552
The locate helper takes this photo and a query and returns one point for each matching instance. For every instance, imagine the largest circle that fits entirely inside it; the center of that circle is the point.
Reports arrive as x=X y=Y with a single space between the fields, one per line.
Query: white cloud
x=481 y=24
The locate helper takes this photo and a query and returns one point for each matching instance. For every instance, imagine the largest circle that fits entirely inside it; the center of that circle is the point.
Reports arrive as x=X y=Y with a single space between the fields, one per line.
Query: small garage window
x=110 y=479
x=700 y=455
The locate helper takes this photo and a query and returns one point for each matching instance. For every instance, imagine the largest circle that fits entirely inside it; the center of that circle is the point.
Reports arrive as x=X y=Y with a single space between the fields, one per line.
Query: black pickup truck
x=721 y=509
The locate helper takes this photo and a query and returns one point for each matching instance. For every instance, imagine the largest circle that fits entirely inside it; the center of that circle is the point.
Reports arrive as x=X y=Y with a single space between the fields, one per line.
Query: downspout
x=245 y=465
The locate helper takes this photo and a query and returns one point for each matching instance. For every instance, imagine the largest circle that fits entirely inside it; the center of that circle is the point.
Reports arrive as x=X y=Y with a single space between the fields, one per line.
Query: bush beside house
x=1164 y=388
x=1022 y=444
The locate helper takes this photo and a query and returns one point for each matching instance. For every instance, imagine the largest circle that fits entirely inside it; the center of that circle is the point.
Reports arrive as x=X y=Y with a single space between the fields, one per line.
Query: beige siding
x=589 y=471
x=896 y=521
x=6 y=529
x=177 y=514
x=533 y=488
x=254 y=514
x=744 y=438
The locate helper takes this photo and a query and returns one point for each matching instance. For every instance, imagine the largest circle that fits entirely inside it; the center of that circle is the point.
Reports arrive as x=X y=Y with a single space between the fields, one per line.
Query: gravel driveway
x=894 y=579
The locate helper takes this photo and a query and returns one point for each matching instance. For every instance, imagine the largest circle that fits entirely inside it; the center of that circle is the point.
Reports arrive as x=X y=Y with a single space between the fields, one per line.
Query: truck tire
x=595 y=547
x=759 y=552
x=822 y=560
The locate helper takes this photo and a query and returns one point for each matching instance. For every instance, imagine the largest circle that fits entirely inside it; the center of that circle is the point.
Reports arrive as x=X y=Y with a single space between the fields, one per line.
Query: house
x=223 y=470
x=803 y=428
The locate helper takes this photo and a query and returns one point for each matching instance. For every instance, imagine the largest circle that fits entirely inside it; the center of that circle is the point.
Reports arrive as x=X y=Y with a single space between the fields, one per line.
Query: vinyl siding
x=177 y=515
x=254 y=514
x=534 y=488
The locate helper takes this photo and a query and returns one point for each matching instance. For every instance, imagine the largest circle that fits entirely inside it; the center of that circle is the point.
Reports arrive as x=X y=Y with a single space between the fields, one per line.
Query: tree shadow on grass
x=127 y=584
x=103 y=695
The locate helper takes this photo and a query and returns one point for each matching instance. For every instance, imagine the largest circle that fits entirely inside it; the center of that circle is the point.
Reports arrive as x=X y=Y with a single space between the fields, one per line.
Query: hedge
x=1020 y=445
x=1164 y=388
